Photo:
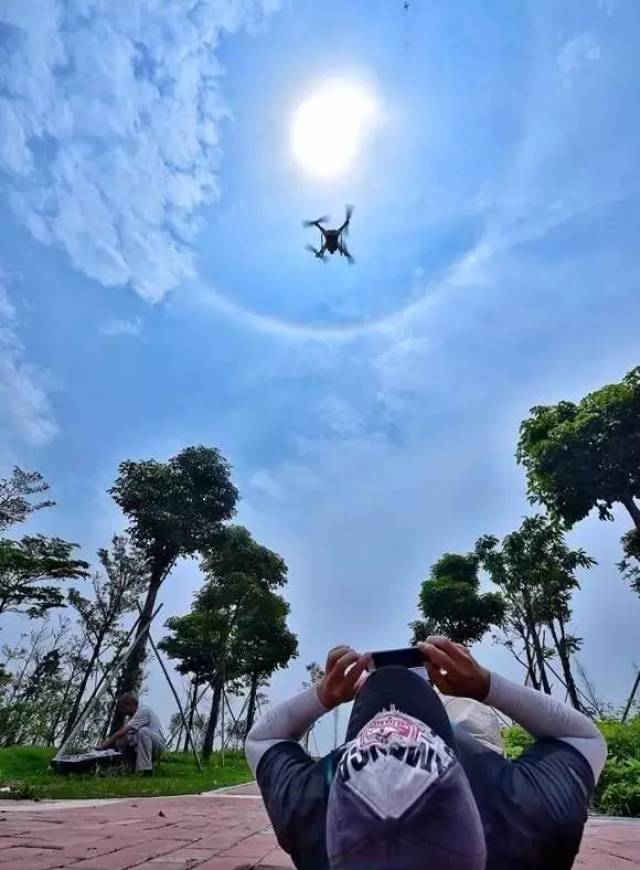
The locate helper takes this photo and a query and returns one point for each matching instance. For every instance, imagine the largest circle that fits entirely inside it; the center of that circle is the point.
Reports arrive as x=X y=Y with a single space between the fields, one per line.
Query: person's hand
x=342 y=671
x=454 y=670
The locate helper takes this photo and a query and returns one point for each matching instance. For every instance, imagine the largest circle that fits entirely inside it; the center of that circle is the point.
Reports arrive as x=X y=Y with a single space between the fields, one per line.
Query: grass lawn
x=26 y=769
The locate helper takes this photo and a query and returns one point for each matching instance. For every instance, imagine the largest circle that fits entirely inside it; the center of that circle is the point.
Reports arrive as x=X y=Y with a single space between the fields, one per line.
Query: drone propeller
x=346 y=253
x=349 y=212
x=315 y=252
x=320 y=220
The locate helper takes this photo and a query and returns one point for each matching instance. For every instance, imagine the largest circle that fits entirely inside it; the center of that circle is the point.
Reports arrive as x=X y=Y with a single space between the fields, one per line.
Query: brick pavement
x=219 y=831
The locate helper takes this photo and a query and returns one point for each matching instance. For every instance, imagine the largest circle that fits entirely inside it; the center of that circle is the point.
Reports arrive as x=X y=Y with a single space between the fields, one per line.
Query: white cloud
x=116 y=326
x=402 y=370
x=110 y=115
x=579 y=50
x=341 y=417
x=608 y=7
x=25 y=411
x=263 y=481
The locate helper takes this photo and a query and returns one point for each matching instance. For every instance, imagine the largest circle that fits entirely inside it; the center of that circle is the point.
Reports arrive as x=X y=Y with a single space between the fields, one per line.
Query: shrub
x=623 y=738
x=618 y=790
x=516 y=740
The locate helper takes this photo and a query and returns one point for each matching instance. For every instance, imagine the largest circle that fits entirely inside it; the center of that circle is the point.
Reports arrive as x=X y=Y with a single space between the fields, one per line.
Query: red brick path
x=229 y=831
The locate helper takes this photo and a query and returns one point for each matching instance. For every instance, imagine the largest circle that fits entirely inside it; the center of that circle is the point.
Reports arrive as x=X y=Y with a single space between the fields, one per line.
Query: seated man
x=140 y=738
x=408 y=790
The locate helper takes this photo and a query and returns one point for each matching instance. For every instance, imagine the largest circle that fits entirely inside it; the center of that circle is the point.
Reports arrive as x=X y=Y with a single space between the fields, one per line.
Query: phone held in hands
x=407 y=657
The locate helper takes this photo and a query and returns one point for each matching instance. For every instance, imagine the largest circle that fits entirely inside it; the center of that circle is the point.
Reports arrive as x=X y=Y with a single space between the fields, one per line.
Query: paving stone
x=13 y=855
x=49 y=862
x=278 y=858
x=225 y=864
x=205 y=833
x=191 y=855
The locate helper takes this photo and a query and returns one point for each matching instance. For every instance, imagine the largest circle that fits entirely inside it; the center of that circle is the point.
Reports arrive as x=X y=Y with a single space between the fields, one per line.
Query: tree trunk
x=520 y=629
x=192 y=709
x=207 y=746
x=531 y=665
x=565 y=661
x=539 y=659
x=590 y=691
x=131 y=676
x=63 y=703
x=178 y=739
x=251 y=709
x=634 y=510
x=73 y=716
x=535 y=641
x=17 y=684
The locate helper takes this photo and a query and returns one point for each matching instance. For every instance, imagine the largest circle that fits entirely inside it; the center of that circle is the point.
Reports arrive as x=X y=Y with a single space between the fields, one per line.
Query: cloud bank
x=110 y=115
x=24 y=407
x=120 y=326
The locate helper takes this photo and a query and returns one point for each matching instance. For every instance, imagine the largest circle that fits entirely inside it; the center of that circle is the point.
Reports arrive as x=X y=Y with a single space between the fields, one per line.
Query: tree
x=207 y=642
x=200 y=641
x=316 y=673
x=15 y=494
x=115 y=593
x=196 y=727
x=451 y=603
x=25 y=564
x=238 y=733
x=194 y=642
x=35 y=560
x=585 y=455
x=238 y=570
x=263 y=643
x=175 y=509
x=421 y=629
x=536 y=572
x=629 y=566
x=31 y=698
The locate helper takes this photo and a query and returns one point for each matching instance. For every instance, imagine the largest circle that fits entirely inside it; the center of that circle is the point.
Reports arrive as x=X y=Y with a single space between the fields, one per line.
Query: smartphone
x=408 y=657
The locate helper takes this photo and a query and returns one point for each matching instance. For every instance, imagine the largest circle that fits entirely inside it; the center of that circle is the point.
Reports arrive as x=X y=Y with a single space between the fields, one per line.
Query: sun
x=329 y=125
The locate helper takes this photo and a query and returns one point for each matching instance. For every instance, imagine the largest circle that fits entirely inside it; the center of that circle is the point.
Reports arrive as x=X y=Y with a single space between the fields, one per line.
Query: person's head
x=400 y=797
x=128 y=703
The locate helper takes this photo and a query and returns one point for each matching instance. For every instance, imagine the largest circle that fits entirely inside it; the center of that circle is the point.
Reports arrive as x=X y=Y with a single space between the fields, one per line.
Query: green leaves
x=535 y=572
x=262 y=641
x=584 y=455
x=237 y=621
x=176 y=508
x=451 y=603
x=535 y=562
x=15 y=494
x=194 y=642
x=25 y=564
x=587 y=455
x=233 y=551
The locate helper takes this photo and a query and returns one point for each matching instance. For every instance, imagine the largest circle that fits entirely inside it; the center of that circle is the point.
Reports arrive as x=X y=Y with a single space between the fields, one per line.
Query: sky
x=155 y=291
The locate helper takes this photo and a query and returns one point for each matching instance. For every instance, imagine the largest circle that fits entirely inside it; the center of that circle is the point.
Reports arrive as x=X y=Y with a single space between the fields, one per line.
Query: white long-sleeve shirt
x=541 y=715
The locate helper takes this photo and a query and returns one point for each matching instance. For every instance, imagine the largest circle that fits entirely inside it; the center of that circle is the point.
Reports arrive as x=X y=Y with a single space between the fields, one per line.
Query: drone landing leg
x=345 y=252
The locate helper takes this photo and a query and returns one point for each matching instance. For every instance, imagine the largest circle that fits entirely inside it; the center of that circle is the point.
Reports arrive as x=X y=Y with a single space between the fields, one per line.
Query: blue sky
x=155 y=291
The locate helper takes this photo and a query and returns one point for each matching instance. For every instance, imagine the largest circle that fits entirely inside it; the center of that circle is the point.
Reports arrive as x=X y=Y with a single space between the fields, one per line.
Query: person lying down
x=410 y=788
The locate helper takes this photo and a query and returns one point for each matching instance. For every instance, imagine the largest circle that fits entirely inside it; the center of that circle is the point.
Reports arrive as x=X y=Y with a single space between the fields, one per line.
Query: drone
x=331 y=240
